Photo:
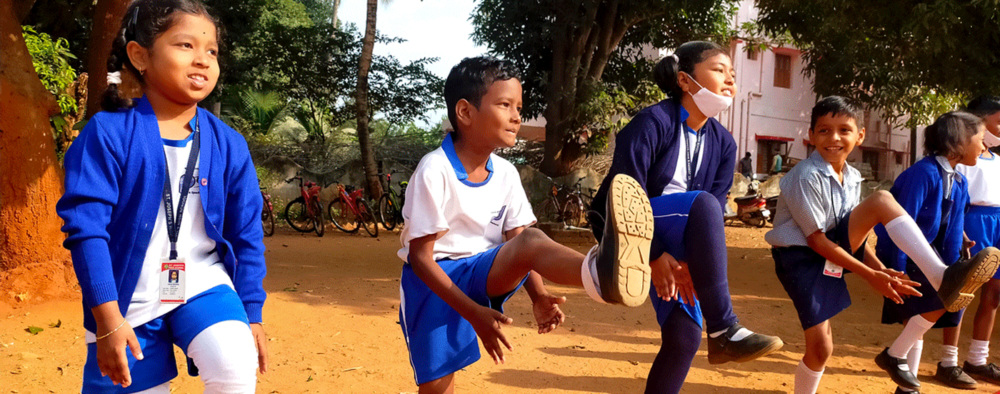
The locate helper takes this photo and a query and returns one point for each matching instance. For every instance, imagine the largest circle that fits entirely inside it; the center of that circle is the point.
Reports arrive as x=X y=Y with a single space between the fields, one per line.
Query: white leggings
x=226 y=356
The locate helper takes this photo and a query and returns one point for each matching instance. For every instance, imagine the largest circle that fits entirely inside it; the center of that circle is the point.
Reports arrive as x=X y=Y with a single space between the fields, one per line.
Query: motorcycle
x=751 y=208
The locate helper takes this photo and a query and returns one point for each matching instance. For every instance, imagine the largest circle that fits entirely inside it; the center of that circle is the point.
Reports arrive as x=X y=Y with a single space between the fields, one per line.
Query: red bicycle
x=305 y=214
x=349 y=211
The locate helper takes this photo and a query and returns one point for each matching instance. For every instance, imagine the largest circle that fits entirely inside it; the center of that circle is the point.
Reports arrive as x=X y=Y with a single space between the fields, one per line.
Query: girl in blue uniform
x=158 y=185
x=936 y=196
x=684 y=159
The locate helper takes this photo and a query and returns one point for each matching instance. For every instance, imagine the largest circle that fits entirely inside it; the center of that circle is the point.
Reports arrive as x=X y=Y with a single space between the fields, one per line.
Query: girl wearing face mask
x=685 y=159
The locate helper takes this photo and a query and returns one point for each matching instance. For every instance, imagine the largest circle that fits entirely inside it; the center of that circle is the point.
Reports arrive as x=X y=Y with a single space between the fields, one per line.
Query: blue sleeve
x=91 y=182
x=634 y=148
x=723 y=180
x=241 y=227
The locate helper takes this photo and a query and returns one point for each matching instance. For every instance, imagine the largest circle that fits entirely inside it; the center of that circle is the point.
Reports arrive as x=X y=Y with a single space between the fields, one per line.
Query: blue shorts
x=982 y=224
x=158 y=337
x=816 y=297
x=441 y=341
x=670 y=216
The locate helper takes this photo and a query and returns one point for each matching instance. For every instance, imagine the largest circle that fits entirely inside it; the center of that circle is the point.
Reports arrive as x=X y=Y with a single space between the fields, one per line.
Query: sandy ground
x=332 y=320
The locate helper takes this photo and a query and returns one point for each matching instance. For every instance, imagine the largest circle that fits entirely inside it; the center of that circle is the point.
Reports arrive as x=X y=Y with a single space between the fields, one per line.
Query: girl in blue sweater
x=162 y=217
x=684 y=159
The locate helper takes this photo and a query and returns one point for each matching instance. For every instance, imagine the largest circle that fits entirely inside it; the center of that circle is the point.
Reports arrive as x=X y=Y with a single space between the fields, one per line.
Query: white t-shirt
x=203 y=267
x=984 y=180
x=688 y=141
x=469 y=218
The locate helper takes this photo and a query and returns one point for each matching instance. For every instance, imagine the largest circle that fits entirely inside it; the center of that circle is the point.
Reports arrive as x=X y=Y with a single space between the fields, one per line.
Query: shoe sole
x=953 y=385
x=722 y=359
x=986 y=266
x=632 y=223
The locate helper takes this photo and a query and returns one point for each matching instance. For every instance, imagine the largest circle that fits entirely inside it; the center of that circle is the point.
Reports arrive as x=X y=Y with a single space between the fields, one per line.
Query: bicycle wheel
x=367 y=218
x=387 y=211
x=320 y=224
x=548 y=212
x=267 y=220
x=572 y=214
x=342 y=216
x=298 y=217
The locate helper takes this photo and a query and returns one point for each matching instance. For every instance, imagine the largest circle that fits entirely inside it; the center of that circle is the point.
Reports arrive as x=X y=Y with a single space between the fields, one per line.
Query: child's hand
x=111 y=358
x=967 y=245
x=260 y=339
x=886 y=285
x=903 y=285
x=672 y=279
x=547 y=312
x=487 y=323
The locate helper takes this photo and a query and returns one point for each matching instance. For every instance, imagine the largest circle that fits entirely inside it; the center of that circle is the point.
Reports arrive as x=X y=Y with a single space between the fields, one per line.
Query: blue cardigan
x=114 y=188
x=647 y=148
x=919 y=190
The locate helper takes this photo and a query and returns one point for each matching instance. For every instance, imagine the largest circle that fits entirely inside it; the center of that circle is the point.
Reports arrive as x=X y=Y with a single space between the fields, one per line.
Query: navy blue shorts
x=158 y=337
x=816 y=297
x=982 y=224
x=893 y=313
x=440 y=340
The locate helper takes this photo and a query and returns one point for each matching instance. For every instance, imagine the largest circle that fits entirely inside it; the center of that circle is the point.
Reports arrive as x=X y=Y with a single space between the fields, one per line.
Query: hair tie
x=676 y=59
x=115 y=78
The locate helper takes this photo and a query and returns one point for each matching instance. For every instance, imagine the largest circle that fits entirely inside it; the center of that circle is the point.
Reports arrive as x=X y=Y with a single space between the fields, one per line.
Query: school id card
x=172 y=278
x=833 y=270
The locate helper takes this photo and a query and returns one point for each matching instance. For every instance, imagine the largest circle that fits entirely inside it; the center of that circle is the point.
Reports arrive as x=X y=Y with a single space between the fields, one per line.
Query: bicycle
x=349 y=211
x=571 y=210
x=390 y=205
x=305 y=213
x=267 y=214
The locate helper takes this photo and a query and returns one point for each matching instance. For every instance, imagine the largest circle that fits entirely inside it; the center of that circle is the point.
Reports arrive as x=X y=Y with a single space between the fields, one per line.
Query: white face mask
x=990 y=140
x=710 y=104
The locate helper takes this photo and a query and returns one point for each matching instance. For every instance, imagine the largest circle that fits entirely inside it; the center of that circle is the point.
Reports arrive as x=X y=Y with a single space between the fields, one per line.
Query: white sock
x=907 y=236
x=913 y=356
x=912 y=332
x=738 y=336
x=949 y=356
x=806 y=380
x=589 y=277
x=978 y=352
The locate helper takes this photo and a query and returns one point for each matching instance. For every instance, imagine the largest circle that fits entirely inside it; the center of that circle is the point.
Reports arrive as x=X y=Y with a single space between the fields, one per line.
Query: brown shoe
x=954 y=377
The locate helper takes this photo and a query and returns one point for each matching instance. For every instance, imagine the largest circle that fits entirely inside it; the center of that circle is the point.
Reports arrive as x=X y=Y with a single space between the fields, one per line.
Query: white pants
x=226 y=356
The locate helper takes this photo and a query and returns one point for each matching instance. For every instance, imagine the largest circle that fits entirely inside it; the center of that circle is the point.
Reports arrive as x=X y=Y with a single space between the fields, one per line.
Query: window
x=782 y=71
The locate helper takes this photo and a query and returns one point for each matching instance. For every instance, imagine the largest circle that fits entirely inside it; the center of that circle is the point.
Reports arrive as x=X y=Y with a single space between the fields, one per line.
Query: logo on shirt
x=499 y=216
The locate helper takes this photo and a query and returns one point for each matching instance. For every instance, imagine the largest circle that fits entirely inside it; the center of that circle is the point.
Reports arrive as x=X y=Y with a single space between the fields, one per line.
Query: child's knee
x=531 y=237
x=990 y=296
x=820 y=351
x=226 y=357
x=884 y=199
x=705 y=205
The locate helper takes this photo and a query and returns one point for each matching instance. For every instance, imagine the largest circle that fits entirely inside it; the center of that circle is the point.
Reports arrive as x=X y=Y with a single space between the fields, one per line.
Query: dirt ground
x=331 y=316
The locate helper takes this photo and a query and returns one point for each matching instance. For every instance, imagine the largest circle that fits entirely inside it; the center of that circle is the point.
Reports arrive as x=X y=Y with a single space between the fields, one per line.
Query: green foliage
x=51 y=60
x=901 y=57
x=255 y=111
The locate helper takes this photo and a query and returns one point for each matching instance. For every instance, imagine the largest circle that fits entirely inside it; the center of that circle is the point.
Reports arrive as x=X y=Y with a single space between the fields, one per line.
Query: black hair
x=949 y=134
x=984 y=106
x=471 y=78
x=687 y=56
x=747 y=155
x=143 y=22
x=835 y=106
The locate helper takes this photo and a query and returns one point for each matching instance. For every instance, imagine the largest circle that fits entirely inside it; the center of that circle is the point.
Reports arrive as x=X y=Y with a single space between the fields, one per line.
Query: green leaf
x=57 y=324
x=34 y=330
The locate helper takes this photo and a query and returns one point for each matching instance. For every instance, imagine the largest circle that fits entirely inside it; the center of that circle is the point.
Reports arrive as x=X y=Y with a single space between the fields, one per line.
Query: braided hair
x=143 y=22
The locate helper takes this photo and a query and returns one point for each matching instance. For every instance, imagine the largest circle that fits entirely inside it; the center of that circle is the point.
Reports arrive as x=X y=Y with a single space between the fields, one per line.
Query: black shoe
x=902 y=377
x=622 y=258
x=899 y=390
x=722 y=350
x=962 y=279
x=954 y=377
x=988 y=372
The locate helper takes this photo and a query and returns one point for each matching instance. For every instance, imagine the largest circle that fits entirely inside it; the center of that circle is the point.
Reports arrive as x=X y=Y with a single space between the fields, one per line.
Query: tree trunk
x=373 y=185
x=33 y=264
x=107 y=22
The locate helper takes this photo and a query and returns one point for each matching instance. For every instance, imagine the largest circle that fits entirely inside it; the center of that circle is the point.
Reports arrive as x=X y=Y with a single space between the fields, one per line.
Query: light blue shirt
x=812 y=199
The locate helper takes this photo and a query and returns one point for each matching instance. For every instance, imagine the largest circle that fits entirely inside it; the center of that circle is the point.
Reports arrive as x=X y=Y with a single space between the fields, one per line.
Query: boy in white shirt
x=467 y=245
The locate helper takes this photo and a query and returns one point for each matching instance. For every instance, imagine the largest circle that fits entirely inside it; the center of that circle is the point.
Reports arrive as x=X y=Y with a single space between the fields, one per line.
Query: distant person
x=746 y=167
x=685 y=159
x=936 y=197
x=468 y=244
x=127 y=220
x=982 y=225
x=776 y=168
x=819 y=234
